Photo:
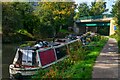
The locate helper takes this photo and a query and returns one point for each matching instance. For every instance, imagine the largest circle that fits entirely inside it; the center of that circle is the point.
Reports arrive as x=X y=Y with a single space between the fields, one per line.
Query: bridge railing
x=96 y=17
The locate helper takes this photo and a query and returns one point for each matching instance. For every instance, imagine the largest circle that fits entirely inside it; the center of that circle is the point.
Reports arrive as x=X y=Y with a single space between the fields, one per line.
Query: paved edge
x=107 y=63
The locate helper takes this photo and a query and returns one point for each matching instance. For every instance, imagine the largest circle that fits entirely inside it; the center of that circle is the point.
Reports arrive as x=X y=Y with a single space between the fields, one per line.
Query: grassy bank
x=118 y=40
x=78 y=65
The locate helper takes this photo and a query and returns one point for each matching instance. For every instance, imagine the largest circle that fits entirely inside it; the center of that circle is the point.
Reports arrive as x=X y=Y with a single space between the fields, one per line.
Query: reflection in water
x=0 y=63
x=8 y=53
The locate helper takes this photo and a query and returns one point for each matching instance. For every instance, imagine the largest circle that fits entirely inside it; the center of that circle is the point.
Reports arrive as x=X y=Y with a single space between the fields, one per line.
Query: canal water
x=8 y=53
x=0 y=63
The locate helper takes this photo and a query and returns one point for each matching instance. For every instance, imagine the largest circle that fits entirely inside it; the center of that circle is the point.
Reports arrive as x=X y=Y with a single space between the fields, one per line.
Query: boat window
x=29 y=61
x=34 y=58
x=23 y=61
x=19 y=61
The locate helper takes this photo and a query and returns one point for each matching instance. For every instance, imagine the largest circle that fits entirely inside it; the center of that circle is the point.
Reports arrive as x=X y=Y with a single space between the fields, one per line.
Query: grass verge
x=79 y=66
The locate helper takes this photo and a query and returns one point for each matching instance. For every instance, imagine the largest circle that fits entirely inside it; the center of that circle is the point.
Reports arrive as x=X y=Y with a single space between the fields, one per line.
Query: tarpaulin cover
x=27 y=57
x=47 y=57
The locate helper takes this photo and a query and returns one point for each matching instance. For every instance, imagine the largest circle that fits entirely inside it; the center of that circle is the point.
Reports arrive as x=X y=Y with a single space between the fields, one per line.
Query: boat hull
x=18 y=72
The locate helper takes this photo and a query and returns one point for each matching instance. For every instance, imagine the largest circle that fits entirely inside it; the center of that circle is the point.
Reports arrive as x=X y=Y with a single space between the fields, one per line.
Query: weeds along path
x=78 y=65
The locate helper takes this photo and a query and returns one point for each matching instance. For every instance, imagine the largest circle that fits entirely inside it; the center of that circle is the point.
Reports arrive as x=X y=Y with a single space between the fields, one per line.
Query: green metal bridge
x=101 y=24
x=95 y=21
x=93 y=24
x=96 y=17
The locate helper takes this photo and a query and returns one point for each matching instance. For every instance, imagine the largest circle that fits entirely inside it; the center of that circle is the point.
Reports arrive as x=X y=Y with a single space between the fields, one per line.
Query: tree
x=116 y=13
x=18 y=18
x=41 y=21
x=11 y=20
x=55 y=14
x=97 y=8
x=83 y=10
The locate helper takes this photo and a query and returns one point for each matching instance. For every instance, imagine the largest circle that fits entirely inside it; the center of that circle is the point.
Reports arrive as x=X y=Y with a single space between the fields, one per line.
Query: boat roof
x=28 y=48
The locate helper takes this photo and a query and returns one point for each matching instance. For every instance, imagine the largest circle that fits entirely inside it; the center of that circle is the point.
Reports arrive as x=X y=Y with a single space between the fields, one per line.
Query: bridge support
x=112 y=31
x=107 y=25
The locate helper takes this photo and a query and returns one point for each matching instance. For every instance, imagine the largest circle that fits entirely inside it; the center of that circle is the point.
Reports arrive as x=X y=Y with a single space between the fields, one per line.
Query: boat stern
x=21 y=72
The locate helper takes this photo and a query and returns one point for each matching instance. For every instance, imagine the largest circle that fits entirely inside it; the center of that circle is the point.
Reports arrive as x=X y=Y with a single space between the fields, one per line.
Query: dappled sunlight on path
x=106 y=65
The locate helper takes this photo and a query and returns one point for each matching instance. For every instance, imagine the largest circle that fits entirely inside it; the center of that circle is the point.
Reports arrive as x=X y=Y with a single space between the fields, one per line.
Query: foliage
x=114 y=36
x=83 y=10
x=55 y=14
x=96 y=38
x=41 y=21
x=75 y=51
x=18 y=17
x=27 y=44
x=71 y=67
x=103 y=30
x=116 y=13
x=95 y=9
x=63 y=33
x=25 y=32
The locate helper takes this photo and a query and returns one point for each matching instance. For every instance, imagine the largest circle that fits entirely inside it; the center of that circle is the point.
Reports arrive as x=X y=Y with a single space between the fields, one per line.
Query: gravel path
x=107 y=63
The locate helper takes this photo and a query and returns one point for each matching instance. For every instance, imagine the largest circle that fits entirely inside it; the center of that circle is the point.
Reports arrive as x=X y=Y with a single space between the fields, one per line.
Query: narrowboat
x=29 y=60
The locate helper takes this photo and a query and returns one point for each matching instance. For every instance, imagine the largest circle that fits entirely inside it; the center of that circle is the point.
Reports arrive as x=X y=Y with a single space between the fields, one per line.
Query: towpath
x=107 y=64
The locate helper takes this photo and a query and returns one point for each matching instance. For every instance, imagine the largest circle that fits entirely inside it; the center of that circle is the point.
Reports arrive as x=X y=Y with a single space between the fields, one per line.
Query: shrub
x=78 y=65
x=96 y=38
x=27 y=43
x=76 y=51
